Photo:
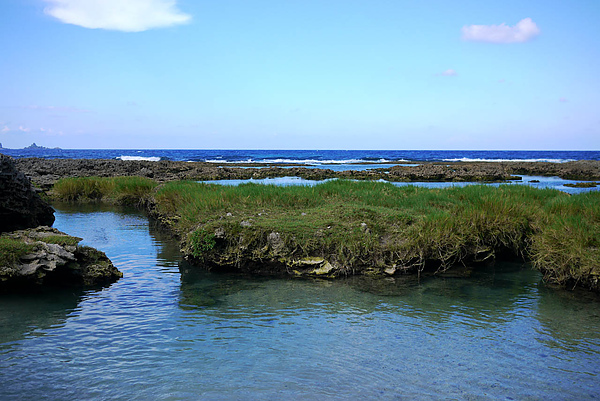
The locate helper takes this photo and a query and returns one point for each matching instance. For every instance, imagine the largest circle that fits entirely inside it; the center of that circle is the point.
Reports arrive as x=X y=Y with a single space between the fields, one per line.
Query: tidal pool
x=174 y=332
x=534 y=181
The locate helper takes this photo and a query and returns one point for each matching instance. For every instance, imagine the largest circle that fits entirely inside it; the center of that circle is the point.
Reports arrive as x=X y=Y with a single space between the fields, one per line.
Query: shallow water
x=534 y=181
x=171 y=331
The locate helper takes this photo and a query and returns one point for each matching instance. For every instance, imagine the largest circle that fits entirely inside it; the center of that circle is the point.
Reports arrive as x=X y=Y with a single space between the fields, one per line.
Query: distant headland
x=34 y=146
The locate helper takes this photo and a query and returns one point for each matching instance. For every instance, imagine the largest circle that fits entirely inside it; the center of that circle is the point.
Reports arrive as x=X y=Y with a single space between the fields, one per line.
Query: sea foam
x=466 y=159
x=150 y=159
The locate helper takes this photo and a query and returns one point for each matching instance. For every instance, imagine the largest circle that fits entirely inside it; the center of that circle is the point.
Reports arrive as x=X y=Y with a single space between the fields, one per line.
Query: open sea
x=308 y=157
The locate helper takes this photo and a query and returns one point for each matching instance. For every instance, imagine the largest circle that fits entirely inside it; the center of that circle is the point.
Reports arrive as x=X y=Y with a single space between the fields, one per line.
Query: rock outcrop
x=47 y=256
x=20 y=206
x=32 y=257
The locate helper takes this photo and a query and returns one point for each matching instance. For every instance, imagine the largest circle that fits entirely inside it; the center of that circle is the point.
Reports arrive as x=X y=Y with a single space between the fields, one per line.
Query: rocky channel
x=32 y=254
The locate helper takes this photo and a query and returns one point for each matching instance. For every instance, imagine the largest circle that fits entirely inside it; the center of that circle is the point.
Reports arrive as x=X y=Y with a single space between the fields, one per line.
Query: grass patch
x=201 y=242
x=375 y=224
x=378 y=224
x=61 y=240
x=591 y=184
x=121 y=190
x=11 y=250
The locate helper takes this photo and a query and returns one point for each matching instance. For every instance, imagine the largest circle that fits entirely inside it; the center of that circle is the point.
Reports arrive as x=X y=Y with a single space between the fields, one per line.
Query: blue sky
x=300 y=74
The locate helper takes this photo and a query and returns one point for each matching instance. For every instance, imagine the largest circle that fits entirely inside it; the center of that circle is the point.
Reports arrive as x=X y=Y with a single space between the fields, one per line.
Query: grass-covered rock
x=367 y=227
x=45 y=256
x=347 y=227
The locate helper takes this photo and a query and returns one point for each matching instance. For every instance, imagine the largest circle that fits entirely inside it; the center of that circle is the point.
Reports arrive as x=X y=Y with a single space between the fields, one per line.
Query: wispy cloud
x=563 y=100
x=57 y=108
x=523 y=31
x=23 y=128
x=448 y=73
x=118 y=15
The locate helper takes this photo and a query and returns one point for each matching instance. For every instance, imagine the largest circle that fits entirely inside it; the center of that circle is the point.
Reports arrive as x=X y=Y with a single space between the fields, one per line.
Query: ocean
x=308 y=157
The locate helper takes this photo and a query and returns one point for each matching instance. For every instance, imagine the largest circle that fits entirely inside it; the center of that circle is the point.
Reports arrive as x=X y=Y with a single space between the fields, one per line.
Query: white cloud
x=118 y=15
x=449 y=73
x=23 y=129
x=563 y=100
x=525 y=30
x=5 y=129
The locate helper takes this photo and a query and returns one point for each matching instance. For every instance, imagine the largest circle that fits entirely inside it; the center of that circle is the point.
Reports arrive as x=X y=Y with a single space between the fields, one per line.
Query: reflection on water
x=278 y=181
x=31 y=315
x=169 y=330
x=570 y=320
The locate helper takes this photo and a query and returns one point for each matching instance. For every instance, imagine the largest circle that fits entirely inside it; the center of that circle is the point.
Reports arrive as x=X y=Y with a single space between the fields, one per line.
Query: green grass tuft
x=61 y=240
x=11 y=250
x=121 y=190
x=200 y=242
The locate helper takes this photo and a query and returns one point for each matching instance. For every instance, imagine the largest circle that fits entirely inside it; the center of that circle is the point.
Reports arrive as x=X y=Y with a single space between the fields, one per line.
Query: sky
x=300 y=74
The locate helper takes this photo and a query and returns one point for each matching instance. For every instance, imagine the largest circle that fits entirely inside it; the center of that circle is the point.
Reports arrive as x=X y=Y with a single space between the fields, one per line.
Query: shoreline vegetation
x=345 y=227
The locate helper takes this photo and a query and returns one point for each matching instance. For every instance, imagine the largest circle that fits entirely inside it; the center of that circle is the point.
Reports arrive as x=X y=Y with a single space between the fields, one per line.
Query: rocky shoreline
x=45 y=172
x=34 y=255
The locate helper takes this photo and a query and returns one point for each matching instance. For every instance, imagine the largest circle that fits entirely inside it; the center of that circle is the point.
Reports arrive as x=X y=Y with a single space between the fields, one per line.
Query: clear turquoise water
x=170 y=331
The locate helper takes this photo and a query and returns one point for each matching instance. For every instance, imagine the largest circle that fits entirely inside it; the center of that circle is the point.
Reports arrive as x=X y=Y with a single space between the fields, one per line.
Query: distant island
x=34 y=146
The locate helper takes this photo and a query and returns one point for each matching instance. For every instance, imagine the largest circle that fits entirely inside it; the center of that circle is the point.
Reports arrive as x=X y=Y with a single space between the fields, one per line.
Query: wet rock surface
x=20 y=206
x=45 y=172
x=54 y=258
x=452 y=172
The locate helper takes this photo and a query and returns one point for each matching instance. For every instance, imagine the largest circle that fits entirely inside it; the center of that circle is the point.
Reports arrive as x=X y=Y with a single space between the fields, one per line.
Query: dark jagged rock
x=20 y=206
x=50 y=257
x=451 y=172
x=574 y=170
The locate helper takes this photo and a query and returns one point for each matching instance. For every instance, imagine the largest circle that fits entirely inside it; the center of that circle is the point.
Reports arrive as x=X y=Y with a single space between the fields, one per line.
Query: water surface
x=171 y=331
x=533 y=181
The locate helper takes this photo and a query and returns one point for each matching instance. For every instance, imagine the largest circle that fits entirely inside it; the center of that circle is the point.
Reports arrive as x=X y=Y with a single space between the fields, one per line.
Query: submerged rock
x=47 y=256
x=20 y=206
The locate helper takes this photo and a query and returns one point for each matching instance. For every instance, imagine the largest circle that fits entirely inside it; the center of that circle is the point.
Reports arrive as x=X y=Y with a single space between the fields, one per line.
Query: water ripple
x=159 y=334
